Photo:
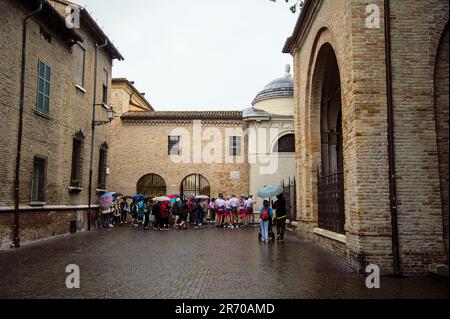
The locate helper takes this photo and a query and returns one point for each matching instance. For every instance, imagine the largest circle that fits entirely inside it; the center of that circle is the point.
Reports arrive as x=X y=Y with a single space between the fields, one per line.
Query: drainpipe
x=16 y=243
x=94 y=105
x=391 y=145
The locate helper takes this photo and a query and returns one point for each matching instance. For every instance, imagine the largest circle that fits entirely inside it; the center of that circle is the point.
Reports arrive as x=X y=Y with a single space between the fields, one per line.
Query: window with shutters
x=39 y=179
x=43 y=91
x=101 y=183
x=235 y=146
x=76 y=179
x=81 y=55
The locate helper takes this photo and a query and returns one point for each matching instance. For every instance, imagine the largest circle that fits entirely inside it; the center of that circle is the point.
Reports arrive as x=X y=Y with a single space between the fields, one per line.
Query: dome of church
x=278 y=88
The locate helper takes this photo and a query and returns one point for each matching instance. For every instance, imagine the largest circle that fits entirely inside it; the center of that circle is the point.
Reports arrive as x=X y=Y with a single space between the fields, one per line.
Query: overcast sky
x=197 y=54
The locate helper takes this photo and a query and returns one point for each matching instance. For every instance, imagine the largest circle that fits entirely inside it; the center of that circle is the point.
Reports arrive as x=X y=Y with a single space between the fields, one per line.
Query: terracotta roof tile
x=183 y=115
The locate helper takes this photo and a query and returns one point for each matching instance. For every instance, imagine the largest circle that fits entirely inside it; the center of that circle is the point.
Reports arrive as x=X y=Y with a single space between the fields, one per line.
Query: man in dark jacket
x=281 y=216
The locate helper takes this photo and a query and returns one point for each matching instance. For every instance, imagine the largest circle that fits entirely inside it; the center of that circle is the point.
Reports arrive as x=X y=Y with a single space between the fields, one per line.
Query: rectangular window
x=101 y=184
x=174 y=145
x=105 y=87
x=81 y=55
x=235 y=146
x=43 y=92
x=39 y=179
x=76 y=179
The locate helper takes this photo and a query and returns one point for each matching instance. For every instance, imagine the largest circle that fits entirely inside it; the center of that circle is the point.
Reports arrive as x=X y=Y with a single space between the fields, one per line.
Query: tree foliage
x=298 y=5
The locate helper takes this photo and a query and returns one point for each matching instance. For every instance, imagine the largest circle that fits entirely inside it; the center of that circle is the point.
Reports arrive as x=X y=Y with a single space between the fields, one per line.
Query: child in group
x=241 y=211
x=134 y=213
x=252 y=203
x=220 y=211
x=212 y=213
x=116 y=213
x=227 y=218
x=234 y=202
x=124 y=209
x=248 y=210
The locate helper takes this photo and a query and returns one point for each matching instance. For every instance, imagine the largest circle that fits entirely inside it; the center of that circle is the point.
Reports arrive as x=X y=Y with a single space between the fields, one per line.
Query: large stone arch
x=441 y=100
x=323 y=45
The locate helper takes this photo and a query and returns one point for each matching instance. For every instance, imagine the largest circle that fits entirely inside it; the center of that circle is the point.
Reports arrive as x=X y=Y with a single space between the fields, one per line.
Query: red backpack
x=164 y=211
x=265 y=214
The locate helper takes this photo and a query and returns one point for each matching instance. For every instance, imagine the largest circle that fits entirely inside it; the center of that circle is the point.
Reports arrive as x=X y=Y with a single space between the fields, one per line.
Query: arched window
x=151 y=184
x=194 y=185
x=285 y=144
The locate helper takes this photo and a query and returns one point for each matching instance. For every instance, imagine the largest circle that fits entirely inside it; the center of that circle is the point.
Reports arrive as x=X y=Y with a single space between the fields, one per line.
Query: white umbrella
x=202 y=197
x=163 y=199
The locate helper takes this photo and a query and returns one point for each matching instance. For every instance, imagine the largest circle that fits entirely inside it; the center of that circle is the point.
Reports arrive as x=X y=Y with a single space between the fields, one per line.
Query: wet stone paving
x=194 y=264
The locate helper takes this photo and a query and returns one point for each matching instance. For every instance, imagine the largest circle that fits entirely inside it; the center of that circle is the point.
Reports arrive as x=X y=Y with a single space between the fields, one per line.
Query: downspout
x=16 y=243
x=94 y=106
x=391 y=145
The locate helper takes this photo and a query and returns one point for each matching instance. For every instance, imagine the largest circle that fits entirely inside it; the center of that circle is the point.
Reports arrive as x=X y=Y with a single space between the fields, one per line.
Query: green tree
x=298 y=5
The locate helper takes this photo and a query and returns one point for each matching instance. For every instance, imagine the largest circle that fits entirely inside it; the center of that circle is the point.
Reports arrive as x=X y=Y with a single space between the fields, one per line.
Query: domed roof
x=281 y=87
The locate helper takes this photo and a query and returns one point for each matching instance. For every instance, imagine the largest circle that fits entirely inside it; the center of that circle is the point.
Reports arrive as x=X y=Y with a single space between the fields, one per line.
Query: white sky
x=197 y=54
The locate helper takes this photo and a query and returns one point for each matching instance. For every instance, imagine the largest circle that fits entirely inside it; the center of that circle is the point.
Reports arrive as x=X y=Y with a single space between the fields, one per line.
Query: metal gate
x=194 y=185
x=152 y=184
x=289 y=194
x=331 y=202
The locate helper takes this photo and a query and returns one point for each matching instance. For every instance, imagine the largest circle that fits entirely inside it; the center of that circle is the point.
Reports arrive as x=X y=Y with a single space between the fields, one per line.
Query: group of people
x=224 y=212
x=232 y=212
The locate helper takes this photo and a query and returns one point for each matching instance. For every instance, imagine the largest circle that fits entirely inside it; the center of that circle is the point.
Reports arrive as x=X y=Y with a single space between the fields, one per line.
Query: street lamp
x=111 y=115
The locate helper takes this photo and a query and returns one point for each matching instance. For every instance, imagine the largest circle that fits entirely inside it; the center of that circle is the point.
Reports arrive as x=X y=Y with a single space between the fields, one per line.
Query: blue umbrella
x=269 y=191
x=137 y=197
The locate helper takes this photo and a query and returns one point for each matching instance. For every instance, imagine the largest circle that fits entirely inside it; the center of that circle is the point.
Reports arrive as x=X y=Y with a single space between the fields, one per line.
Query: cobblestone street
x=206 y=263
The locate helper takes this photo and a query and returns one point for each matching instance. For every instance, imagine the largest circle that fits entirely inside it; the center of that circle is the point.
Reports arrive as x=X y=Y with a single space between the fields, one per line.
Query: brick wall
x=417 y=27
x=141 y=148
x=50 y=137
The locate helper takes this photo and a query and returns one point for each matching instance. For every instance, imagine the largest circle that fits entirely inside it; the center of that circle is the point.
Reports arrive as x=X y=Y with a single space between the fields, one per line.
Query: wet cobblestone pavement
x=205 y=263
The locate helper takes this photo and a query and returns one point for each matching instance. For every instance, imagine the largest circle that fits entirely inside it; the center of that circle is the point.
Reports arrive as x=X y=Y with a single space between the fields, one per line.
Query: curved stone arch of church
x=441 y=96
x=316 y=72
x=274 y=142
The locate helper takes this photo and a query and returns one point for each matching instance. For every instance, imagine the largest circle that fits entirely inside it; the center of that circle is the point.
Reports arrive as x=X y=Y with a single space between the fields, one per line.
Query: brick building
x=57 y=118
x=371 y=104
x=158 y=152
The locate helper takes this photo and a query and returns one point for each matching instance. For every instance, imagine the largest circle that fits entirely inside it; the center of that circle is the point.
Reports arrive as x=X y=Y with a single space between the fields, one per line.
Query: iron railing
x=331 y=202
x=289 y=194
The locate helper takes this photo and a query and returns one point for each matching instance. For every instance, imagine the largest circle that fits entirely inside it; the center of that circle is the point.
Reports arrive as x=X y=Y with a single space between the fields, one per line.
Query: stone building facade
x=140 y=149
x=341 y=53
x=58 y=102
x=269 y=125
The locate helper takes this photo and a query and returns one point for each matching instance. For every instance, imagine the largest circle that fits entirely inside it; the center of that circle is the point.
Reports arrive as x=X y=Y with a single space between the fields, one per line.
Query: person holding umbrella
x=281 y=216
x=106 y=201
x=267 y=192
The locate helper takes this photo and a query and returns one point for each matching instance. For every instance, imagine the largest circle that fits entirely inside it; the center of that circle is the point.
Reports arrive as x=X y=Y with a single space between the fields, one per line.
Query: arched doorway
x=151 y=184
x=331 y=208
x=194 y=185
